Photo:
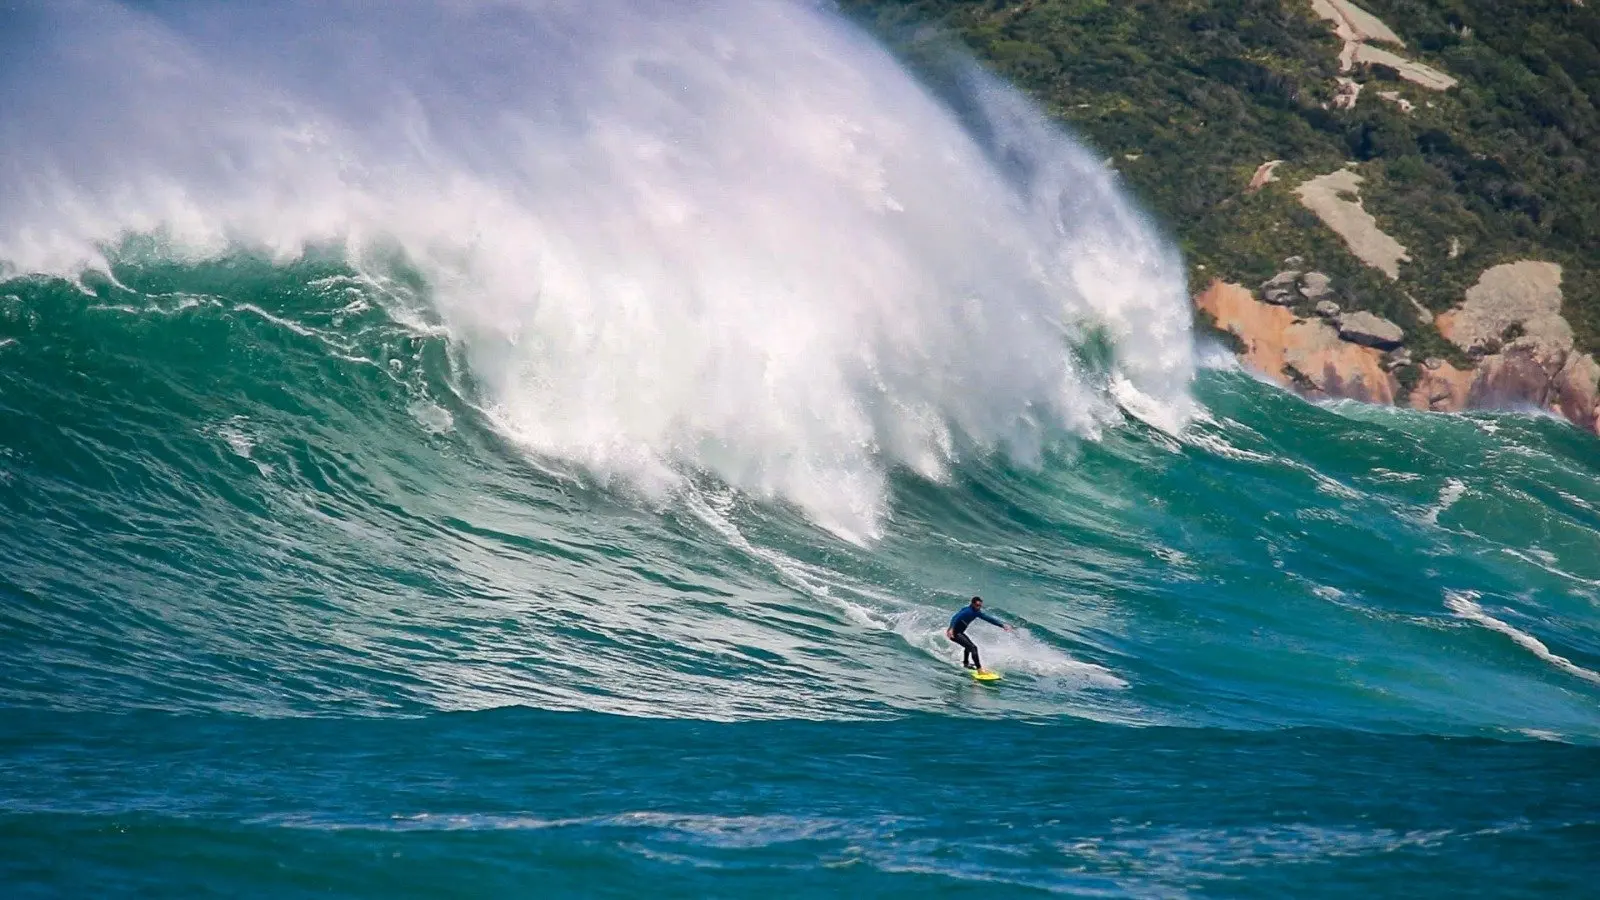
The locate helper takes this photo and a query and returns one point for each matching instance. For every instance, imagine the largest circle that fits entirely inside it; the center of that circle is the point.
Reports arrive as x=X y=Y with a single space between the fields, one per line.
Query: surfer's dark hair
x=977 y=599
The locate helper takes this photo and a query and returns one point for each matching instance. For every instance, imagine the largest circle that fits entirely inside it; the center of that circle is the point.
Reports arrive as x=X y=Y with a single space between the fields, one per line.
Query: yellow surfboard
x=985 y=675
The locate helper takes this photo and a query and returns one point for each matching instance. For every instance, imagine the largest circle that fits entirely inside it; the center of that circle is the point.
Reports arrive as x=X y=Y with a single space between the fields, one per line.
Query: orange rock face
x=1443 y=389
x=1259 y=325
x=1279 y=345
x=1520 y=376
x=1577 y=389
x=1539 y=369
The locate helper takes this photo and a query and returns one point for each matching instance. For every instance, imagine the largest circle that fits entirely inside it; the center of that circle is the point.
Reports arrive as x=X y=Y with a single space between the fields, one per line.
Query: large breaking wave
x=670 y=237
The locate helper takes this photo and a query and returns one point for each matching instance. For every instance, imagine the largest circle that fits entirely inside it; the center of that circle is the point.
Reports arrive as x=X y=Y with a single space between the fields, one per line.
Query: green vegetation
x=1188 y=97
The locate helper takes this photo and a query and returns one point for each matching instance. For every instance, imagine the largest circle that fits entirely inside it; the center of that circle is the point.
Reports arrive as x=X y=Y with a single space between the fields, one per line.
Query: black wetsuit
x=958 y=633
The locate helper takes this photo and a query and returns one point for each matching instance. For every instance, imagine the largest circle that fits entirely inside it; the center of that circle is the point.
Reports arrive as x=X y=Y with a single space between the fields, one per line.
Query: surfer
x=957 y=631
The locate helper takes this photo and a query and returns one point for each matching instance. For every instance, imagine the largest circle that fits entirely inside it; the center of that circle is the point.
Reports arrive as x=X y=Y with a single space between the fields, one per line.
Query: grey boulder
x=1369 y=330
x=1316 y=286
x=1280 y=288
x=1397 y=359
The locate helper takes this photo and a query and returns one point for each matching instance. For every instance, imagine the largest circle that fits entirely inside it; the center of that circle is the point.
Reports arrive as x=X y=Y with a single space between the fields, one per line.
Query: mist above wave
x=672 y=237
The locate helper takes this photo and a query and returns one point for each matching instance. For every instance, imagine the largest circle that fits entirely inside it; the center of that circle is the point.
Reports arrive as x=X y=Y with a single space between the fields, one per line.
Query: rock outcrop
x=1317 y=288
x=1509 y=323
x=1327 y=196
x=1370 y=330
x=1517 y=350
x=1414 y=72
x=1356 y=27
x=1289 y=287
x=1511 y=319
x=1577 y=391
x=1512 y=379
x=1305 y=354
x=1281 y=289
x=1263 y=176
x=1442 y=387
x=1523 y=296
x=1346 y=93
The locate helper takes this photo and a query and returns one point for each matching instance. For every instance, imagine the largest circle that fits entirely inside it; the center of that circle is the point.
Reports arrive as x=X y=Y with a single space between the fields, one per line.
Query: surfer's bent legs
x=969 y=650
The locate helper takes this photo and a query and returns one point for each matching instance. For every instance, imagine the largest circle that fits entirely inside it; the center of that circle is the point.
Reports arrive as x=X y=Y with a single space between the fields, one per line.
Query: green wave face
x=245 y=486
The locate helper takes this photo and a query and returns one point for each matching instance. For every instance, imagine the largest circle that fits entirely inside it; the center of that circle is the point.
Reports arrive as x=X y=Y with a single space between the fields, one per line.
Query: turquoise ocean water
x=551 y=477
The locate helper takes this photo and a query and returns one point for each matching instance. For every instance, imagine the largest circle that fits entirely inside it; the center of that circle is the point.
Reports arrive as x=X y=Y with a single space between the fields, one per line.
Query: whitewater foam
x=1012 y=652
x=1549 y=562
x=672 y=238
x=1464 y=604
x=1015 y=651
x=1453 y=490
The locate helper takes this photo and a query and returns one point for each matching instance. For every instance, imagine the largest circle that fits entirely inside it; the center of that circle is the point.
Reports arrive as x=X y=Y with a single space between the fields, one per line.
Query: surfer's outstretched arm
x=993 y=621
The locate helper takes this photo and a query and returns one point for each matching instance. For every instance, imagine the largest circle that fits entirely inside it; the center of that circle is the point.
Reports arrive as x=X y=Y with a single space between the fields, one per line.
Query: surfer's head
x=977 y=603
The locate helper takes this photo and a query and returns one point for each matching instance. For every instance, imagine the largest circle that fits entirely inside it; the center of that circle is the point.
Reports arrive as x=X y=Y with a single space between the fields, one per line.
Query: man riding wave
x=957 y=632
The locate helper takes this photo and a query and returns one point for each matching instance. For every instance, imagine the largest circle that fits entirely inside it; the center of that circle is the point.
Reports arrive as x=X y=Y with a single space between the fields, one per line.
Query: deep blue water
x=519 y=802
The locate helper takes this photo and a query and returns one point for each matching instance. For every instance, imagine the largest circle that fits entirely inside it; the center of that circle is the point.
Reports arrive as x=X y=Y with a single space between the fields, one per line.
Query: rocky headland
x=1517 y=349
x=1514 y=350
x=1393 y=201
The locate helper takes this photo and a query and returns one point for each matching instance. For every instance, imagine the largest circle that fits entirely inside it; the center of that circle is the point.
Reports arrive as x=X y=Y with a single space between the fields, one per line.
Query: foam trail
x=1012 y=652
x=1467 y=608
x=672 y=237
x=1454 y=489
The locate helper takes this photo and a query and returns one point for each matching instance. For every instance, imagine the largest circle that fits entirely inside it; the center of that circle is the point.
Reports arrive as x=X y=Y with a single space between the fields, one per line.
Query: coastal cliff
x=1518 y=350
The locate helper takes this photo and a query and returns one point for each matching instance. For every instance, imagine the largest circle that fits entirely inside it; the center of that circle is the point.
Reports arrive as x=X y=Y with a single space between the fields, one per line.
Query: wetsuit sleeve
x=991 y=619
